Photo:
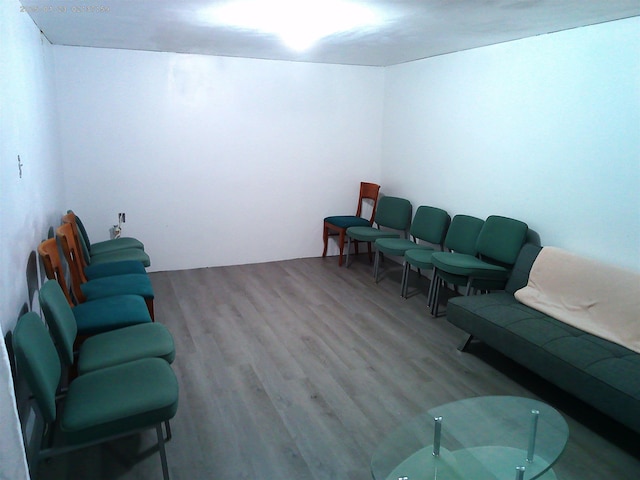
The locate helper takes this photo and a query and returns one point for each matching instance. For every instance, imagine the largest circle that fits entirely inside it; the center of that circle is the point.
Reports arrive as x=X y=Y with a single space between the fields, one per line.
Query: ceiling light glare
x=298 y=23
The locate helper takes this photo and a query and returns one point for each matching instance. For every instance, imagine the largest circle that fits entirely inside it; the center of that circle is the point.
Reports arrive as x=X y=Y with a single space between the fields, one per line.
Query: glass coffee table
x=496 y=437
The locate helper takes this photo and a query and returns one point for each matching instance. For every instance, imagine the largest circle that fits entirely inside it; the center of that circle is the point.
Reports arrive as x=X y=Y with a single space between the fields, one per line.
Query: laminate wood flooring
x=297 y=370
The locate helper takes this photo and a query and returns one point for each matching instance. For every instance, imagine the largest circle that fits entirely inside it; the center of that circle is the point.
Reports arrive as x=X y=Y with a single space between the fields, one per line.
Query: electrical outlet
x=122 y=218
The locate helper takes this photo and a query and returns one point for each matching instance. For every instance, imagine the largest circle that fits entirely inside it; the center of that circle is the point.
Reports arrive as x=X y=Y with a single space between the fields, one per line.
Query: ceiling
x=409 y=30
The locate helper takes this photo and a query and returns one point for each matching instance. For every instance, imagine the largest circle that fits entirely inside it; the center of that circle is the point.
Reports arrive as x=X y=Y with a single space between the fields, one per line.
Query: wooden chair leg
x=325 y=239
x=341 y=245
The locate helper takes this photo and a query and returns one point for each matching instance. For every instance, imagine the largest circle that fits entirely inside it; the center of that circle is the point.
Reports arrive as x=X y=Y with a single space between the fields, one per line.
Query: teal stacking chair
x=337 y=225
x=104 y=269
x=497 y=248
x=461 y=237
x=98 y=406
x=91 y=260
x=122 y=345
x=429 y=225
x=100 y=315
x=122 y=243
x=85 y=289
x=391 y=220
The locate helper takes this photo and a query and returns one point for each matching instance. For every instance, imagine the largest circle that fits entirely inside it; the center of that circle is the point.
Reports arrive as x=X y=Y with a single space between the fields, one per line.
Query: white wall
x=215 y=160
x=546 y=130
x=28 y=205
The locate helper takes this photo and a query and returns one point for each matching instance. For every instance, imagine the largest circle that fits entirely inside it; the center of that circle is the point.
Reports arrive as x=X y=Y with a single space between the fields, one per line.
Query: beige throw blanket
x=595 y=297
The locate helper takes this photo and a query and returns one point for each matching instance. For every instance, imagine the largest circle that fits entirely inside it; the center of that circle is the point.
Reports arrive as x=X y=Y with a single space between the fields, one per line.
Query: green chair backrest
x=520 y=273
x=60 y=319
x=430 y=224
x=501 y=239
x=85 y=244
x=81 y=229
x=462 y=235
x=37 y=361
x=393 y=212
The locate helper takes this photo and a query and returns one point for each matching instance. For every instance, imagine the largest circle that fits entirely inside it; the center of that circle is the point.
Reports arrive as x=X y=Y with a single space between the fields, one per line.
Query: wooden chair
x=100 y=315
x=337 y=225
x=106 y=245
x=87 y=251
x=85 y=289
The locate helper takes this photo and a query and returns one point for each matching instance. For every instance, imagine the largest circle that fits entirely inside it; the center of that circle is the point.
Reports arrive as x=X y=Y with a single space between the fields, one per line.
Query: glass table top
x=495 y=437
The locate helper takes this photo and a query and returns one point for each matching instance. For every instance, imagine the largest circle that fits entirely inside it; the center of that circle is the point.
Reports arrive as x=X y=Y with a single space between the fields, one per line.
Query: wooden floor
x=297 y=370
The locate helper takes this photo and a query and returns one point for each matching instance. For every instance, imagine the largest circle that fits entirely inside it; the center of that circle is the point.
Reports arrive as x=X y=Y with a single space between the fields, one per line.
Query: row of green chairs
x=107 y=251
x=107 y=342
x=474 y=253
x=487 y=266
x=108 y=399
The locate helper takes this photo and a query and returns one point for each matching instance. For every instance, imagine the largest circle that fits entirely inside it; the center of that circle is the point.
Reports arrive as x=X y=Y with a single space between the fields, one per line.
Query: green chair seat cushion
x=467 y=265
x=109 y=313
x=419 y=258
x=121 y=255
x=369 y=234
x=397 y=246
x=114 y=268
x=479 y=283
x=346 y=221
x=114 y=245
x=145 y=340
x=130 y=284
x=119 y=399
x=106 y=245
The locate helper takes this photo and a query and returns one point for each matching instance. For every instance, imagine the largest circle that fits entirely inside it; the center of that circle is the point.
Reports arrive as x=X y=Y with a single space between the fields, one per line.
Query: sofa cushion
x=601 y=373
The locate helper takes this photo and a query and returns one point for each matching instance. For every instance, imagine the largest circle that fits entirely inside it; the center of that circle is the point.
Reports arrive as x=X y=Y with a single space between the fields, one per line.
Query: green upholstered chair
x=497 y=248
x=85 y=290
x=461 y=237
x=337 y=225
x=90 y=260
x=97 y=270
x=99 y=406
x=106 y=245
x=122 y=345
x=100 y=315
x=392 y=218
x=429 y=225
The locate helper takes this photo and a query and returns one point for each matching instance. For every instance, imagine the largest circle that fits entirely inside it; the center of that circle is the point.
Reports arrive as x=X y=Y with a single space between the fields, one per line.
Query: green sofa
x=601 y=373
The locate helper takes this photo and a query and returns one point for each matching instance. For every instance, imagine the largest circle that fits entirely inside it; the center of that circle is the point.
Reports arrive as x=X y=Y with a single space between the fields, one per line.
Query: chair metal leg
x=376 y=265
x=167 y=427
x=435 y=306
x=435 y=300
x=348 y=251
x=468 y=290
x=432 y=287
x=465 y=343
x=404 y=286
x=163 y=453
